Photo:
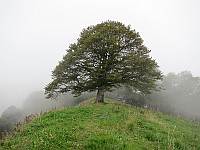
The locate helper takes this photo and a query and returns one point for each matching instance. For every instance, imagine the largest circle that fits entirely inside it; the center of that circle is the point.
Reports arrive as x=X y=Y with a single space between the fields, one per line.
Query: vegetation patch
x=111 y=125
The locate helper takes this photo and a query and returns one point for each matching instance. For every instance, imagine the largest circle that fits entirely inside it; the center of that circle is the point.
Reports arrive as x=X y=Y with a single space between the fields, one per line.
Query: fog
x=34 y=35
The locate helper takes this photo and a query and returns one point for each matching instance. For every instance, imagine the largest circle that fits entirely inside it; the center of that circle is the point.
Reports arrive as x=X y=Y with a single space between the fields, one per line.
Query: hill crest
x=112 y=125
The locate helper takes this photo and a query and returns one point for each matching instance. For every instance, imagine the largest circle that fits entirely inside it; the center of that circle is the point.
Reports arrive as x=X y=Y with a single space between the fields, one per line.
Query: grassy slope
x=105 y=126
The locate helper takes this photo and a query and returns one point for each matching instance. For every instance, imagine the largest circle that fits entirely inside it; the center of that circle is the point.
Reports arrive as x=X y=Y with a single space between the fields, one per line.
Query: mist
x=34 y=36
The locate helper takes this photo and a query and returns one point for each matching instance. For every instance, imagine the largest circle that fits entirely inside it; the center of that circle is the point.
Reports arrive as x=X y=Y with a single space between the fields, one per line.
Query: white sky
x=34 y=35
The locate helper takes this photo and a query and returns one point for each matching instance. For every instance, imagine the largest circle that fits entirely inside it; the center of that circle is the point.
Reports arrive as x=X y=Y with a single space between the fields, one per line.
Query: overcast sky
x=34 y=35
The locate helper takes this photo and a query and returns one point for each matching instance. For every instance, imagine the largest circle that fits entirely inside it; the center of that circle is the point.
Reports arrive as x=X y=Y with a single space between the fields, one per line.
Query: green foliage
x=106 y=55
x=104 y=127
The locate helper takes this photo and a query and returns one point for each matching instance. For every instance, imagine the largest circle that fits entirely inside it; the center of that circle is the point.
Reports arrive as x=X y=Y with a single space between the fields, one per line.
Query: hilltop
x=112 y=125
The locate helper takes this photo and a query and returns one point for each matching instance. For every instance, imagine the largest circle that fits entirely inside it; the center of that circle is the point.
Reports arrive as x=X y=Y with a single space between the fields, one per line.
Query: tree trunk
x=100 y=96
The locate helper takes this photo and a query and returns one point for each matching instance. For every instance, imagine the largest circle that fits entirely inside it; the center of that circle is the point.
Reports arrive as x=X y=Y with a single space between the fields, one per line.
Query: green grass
x=103 y=127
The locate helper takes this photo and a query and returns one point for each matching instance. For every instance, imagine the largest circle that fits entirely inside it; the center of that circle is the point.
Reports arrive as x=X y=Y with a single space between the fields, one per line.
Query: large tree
x=106 y=55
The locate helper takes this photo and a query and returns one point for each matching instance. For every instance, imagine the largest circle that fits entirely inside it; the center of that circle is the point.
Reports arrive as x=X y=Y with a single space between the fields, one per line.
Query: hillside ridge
x=112 y=125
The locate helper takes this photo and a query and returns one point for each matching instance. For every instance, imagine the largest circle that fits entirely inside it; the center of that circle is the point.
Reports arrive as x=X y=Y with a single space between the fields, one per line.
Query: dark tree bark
x=100 y=96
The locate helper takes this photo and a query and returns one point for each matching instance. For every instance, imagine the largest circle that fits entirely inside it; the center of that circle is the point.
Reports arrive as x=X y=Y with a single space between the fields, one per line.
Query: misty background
x=34 y=35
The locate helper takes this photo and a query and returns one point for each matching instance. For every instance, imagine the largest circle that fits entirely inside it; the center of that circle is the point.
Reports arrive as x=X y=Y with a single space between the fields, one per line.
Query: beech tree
x=106 y=55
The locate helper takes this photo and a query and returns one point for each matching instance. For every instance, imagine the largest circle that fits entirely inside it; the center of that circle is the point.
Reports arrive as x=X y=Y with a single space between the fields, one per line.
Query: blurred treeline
x=179 y=94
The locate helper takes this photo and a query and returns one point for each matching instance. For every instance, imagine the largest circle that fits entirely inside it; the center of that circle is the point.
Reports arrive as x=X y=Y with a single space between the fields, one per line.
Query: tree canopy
x=106 y=55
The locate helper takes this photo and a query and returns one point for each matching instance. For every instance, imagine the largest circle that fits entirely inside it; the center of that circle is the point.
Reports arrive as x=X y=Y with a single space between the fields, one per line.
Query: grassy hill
x=105 y=126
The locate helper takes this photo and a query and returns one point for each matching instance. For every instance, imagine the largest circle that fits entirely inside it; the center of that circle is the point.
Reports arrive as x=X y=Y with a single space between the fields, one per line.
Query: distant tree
x=181 y=94
x=128 y=95
x=9 y=118
x=12 y=114
x=106 y=55
x=5 y=125
x=36 y=103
